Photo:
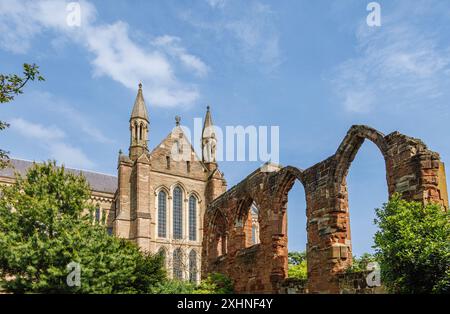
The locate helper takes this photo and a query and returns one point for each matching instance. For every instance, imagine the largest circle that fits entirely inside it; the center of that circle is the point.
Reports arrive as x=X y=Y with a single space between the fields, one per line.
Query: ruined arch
x=411 y=170
x=345 y=154
x=350 y=145
x=217 y=239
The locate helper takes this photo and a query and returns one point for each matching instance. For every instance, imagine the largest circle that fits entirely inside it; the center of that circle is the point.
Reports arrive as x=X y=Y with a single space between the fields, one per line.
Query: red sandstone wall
x=411 y=170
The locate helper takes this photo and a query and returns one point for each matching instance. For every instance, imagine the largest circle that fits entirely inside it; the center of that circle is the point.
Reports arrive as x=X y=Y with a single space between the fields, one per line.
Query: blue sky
x=313 y=68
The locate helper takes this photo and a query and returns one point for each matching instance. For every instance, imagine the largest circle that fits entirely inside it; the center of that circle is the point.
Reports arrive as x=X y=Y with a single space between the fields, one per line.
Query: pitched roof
x=98 y=181
x=139 y=108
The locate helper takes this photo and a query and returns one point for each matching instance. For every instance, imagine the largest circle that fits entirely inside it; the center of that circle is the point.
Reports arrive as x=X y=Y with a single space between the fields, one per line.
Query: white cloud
x=66 y=112
x=171 y=44
x=52 y=138
x=400 y=64
x=114 y=53
x=36 y=131
x=70 y=156
x=251 y=27
x=216 y=3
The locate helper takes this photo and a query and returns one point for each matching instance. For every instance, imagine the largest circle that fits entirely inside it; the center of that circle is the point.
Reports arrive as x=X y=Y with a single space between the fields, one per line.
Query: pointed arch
x=177 y=261
x=193 y=211
x=351 y=144
x=177 y=212
x=193 y=266
x=162 y=201
x=163 y=252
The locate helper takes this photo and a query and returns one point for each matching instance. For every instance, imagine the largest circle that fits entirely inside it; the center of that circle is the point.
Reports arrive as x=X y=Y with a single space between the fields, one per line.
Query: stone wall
x=411 y=170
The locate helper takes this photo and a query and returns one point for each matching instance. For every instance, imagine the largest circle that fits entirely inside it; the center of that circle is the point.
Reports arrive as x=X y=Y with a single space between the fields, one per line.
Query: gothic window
x=193 y=218
x=136 y=131
x=162 y=213
x=140 y=131
x=177 y=213
x=97 y=213
x=177 y=264
x=162 y=252
x=254 y=211
x=193 y=266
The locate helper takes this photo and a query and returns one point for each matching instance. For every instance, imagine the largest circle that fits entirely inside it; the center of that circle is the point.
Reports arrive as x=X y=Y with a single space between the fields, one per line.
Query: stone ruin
x=411 y=170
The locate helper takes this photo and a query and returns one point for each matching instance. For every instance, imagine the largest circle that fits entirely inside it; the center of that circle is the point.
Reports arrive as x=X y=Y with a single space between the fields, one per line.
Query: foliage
x=295 y=258
x=46 y=222
x=297 y=267
x=173 y=287
x=360 y=263
x=215 y=283
x=413 y=246
x=10 y=86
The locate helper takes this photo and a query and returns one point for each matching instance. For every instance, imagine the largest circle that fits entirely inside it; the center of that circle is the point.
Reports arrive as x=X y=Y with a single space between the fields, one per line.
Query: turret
x=139 y=123
x=209 y=142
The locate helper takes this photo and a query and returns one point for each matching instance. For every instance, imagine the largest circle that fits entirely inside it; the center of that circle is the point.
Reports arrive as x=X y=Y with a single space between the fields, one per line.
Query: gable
x=185 y=163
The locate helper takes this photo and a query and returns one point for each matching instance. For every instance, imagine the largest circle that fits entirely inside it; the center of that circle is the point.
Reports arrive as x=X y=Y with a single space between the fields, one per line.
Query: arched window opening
x=193 y=266
x=193 y=218
x=136 y=132
x=162 y=214
x=220 y=235
x=295 y=228
x=367 y=190
x=255 y=224
x=249 y=220
x=177 y=213
x=140 y=132
x=178 y=264
x=97 y=214
x=162 y=252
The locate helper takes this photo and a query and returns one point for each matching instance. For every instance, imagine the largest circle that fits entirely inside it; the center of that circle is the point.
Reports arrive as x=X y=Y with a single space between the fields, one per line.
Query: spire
x=208 y=130
x=139 y=108
x=209 y=142
x=139 y=124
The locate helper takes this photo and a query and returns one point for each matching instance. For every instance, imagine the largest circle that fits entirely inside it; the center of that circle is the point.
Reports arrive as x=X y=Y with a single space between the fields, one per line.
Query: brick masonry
x=411 y=170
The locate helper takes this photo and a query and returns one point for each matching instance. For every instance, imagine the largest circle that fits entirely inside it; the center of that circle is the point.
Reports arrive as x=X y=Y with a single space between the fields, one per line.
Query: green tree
x=46 y=222
x=297 y=267
x=12 y=85
x=360 y=263
x=413 y=247
x=215 y=283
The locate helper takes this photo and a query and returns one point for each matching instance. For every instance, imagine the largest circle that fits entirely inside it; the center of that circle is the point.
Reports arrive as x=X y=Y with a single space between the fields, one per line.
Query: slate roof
x=98 y=181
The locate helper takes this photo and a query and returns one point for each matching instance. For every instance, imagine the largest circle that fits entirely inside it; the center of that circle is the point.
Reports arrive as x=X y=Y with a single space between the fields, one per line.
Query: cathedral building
x=159 y=196
x=162 y=194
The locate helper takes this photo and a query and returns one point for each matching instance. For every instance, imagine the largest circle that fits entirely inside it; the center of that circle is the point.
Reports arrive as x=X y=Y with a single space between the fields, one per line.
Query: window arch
x=162 y=252
x=254 y=211
x=193 y=266
x=97 y=213
x=177 y=264
x=162 y=214
x=193 y=218
x=177 y=213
